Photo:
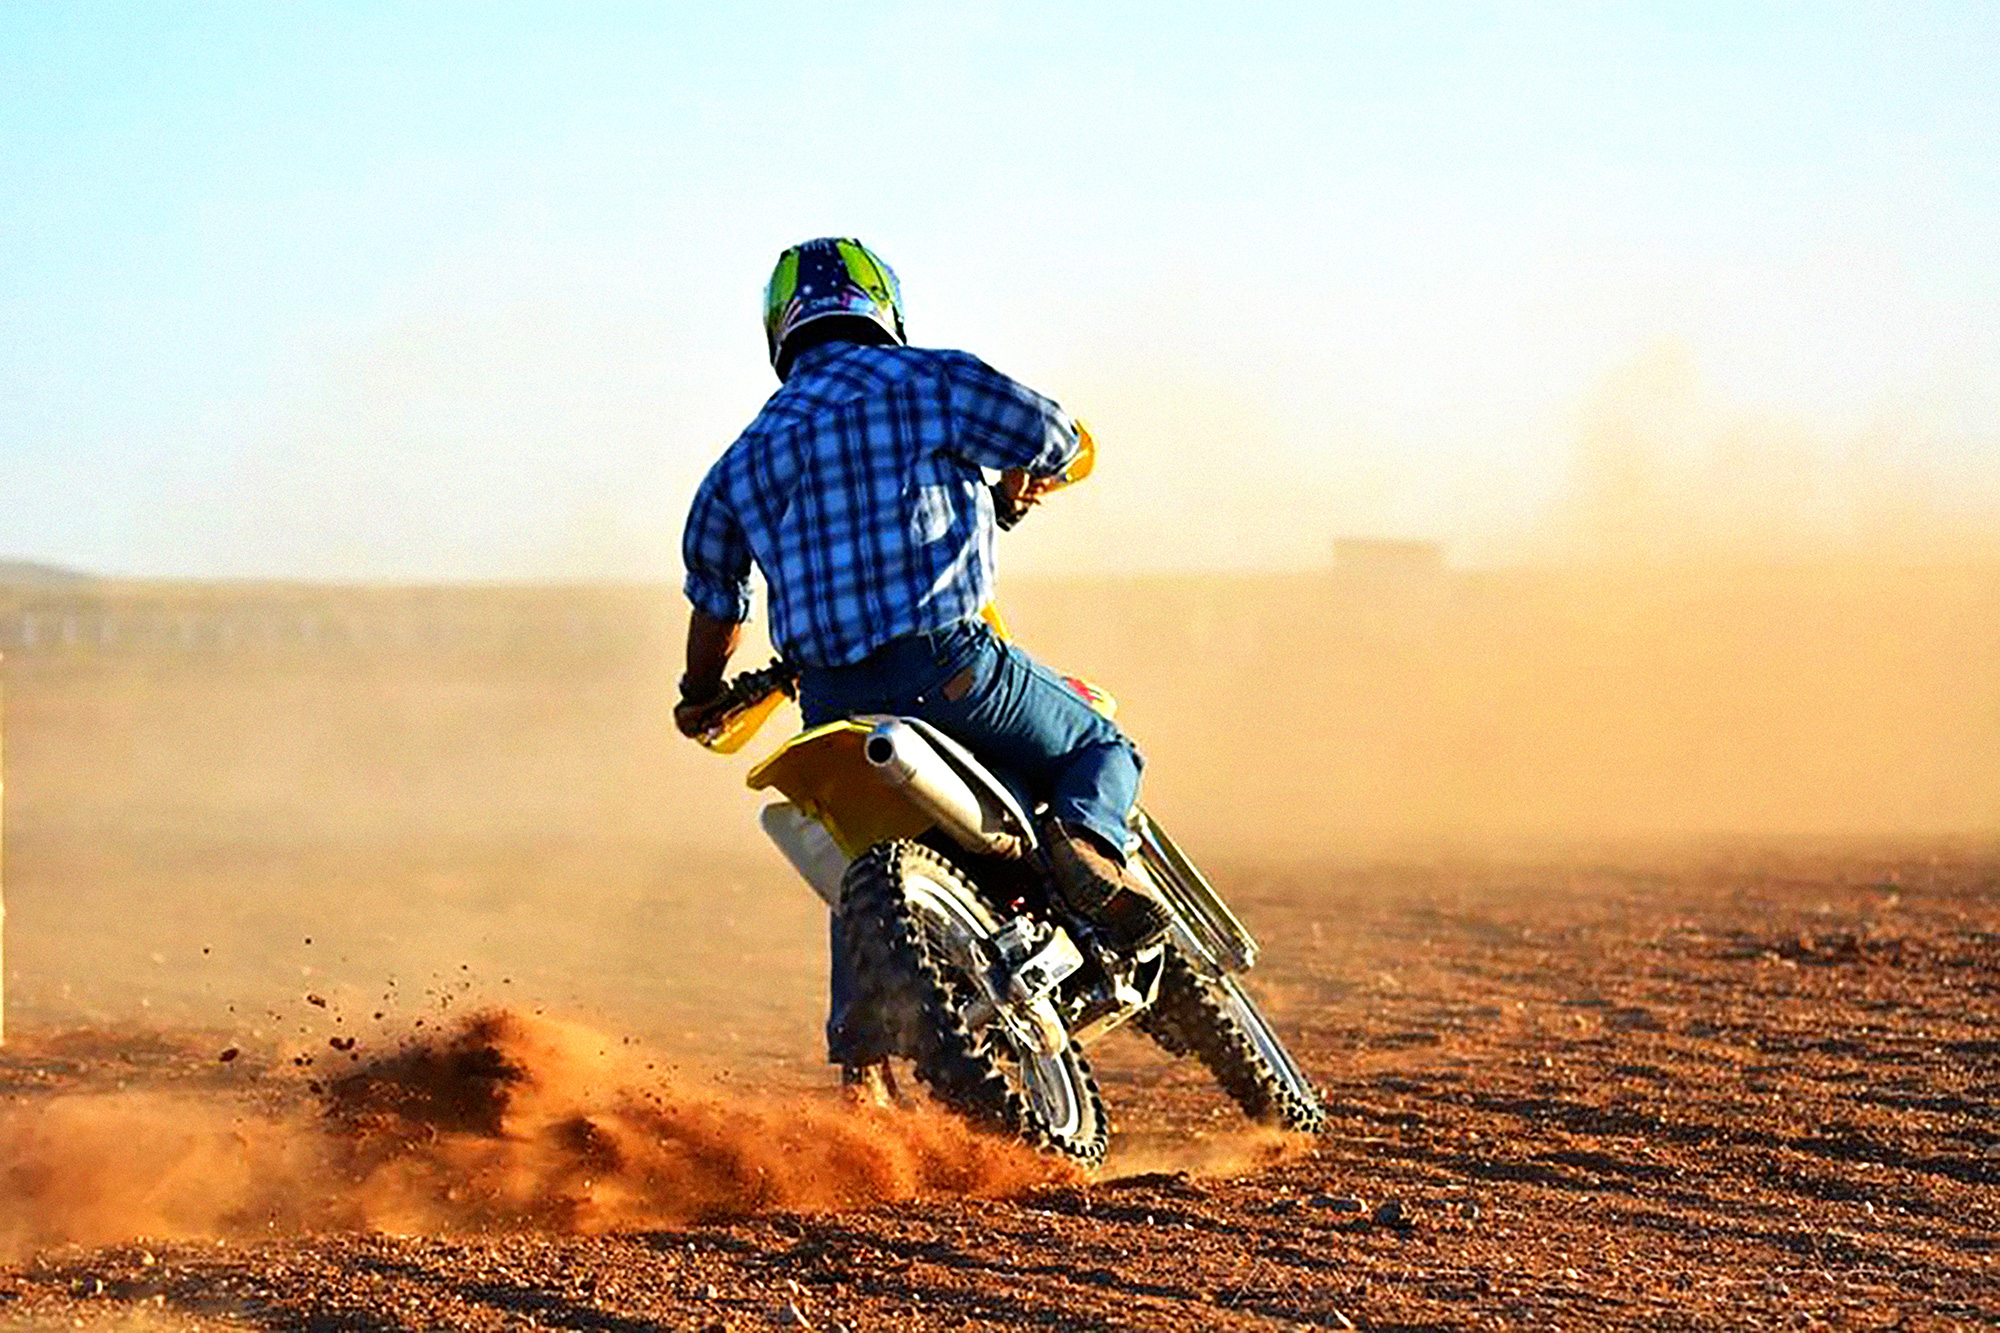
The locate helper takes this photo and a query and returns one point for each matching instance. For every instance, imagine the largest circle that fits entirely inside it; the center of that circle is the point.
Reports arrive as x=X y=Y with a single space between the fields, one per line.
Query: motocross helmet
x=828 y=278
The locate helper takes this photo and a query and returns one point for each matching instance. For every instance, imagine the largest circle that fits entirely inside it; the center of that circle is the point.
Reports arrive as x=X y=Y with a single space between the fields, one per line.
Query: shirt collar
x=819 y=352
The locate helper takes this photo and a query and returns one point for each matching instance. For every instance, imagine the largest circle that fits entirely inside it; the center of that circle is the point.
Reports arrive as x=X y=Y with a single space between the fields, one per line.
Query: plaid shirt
x=858 y=492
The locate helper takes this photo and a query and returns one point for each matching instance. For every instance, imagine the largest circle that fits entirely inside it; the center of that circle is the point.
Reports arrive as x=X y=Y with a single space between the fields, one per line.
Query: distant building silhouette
x=1388 y=558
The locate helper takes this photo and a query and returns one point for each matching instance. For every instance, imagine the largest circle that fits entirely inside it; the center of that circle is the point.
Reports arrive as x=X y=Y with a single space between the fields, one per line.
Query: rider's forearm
x=710 y=644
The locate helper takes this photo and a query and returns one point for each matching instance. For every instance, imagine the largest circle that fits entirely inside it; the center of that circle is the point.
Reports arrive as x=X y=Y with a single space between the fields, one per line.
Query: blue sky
x=437 y=291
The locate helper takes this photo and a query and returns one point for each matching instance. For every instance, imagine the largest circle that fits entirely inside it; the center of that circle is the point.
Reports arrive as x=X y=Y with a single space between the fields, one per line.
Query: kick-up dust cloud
x=502 y=1121
x=1726 y=624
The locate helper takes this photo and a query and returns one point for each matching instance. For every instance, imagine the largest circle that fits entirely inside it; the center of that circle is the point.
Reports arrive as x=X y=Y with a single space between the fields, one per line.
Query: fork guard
x=1206 y=932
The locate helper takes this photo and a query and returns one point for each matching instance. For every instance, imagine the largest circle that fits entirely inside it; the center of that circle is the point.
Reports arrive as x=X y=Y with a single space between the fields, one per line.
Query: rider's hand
x=697 y=712
x=1018 y=492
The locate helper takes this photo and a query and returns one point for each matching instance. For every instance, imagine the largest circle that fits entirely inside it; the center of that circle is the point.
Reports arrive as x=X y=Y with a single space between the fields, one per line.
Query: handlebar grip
x=744 y=704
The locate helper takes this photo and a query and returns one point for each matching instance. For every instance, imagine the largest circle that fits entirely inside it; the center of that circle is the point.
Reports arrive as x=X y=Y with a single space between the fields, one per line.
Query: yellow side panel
x=990 y=613
x=825 y=774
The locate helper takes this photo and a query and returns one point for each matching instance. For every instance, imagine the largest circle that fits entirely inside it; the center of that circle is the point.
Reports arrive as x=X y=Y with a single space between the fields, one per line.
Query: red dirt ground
x=1724 y=1087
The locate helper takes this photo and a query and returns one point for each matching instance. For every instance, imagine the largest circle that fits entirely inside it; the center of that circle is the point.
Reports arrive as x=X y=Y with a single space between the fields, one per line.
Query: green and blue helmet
x=832 y=276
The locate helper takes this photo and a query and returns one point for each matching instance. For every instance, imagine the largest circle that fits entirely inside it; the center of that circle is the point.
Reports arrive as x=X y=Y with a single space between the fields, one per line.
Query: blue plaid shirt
x=858 y=492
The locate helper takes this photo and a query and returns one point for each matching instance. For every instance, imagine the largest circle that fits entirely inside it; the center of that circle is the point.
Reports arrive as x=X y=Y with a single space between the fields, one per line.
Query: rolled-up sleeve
x=715 y=554
x=1000 y=423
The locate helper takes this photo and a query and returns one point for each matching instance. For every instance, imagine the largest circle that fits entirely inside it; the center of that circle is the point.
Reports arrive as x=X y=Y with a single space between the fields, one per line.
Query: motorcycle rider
x=858 y=490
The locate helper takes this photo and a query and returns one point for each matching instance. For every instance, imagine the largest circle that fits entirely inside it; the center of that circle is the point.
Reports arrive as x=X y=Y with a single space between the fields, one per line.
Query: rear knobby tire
x=1215 y=1021
x=914 y=929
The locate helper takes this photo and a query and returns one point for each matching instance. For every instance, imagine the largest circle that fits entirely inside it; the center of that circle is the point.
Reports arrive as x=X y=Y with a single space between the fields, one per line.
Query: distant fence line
x=301 y=624
x=443 y=627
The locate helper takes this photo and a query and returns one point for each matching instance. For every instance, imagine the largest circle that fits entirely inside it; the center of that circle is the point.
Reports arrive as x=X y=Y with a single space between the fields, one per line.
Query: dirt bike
x=963 y=950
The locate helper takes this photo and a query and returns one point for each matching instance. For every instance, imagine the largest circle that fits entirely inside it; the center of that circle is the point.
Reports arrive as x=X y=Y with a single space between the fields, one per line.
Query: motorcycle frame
x=854 y=783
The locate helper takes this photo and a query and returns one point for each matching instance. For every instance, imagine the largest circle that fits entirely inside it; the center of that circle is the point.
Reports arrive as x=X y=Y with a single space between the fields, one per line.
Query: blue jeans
x=1005 y=707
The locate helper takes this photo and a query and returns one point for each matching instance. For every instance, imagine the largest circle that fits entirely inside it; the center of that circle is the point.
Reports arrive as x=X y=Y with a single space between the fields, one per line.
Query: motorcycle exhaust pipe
x=905 y=760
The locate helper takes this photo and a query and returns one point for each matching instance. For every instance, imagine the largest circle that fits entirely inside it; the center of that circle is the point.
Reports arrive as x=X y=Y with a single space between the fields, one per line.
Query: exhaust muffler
x=906 y=760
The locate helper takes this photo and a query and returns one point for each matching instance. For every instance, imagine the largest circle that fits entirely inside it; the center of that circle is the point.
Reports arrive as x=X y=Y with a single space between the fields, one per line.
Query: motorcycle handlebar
x=1011 y=504
x=751 y=687
x=734 y=715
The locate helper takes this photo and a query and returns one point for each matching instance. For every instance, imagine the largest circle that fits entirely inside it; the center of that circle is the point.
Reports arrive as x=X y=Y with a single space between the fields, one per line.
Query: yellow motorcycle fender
x=825 y=774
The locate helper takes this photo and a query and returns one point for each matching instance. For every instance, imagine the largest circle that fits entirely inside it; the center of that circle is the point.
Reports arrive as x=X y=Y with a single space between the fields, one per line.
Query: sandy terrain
x=409 y=996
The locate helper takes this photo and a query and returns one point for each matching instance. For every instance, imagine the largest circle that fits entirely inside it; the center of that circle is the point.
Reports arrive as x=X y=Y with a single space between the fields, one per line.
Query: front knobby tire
x=915 y=929
x=1215 y=1021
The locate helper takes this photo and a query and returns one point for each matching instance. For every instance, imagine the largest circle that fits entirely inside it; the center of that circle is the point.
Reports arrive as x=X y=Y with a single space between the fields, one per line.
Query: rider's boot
x=1096 y=884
